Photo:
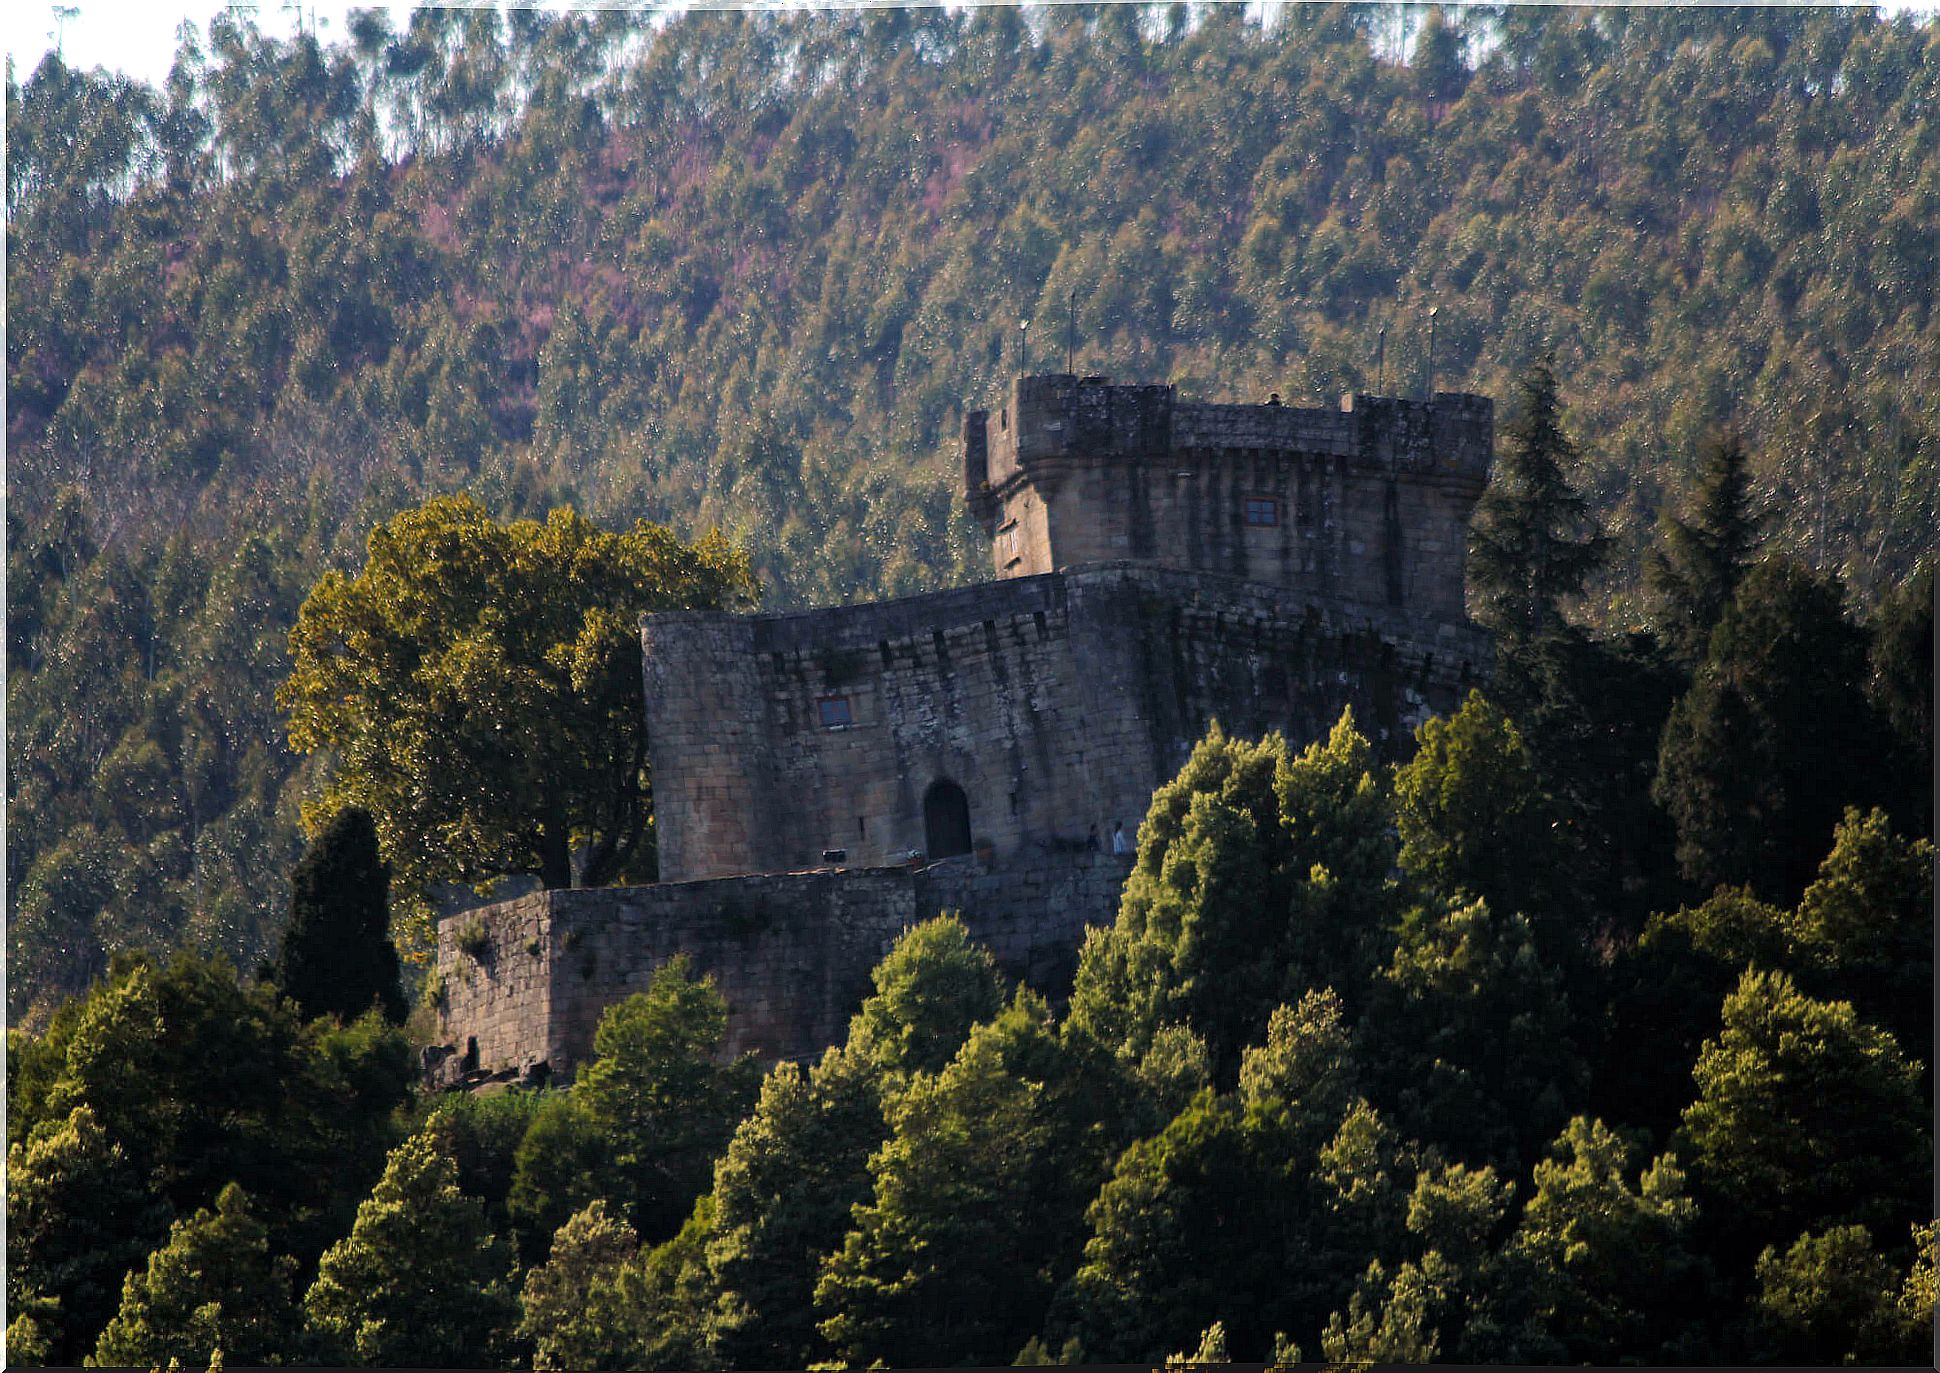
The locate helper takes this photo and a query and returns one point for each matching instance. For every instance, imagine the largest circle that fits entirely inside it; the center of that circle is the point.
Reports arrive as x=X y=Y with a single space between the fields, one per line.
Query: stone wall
x=1056 y=702
x=1366 y=505
x=791 y=952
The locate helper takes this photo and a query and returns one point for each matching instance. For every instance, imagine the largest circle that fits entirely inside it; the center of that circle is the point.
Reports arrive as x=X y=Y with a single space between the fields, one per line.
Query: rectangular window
x=835 y=711
x=1262 y=511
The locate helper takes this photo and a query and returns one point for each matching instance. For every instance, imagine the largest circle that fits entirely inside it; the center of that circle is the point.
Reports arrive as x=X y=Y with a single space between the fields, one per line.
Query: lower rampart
x=524 y=982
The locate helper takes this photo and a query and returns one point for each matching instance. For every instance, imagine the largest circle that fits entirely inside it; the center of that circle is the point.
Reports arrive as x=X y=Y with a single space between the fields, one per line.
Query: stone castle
x=825 y=779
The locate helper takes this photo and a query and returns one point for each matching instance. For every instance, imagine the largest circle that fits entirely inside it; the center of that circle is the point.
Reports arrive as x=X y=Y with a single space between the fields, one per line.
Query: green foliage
x=1473 y=1035
x=1771 y=743
x=213 y=1291
x=1806 y=1114
x=572 y=1314
x=560 y=1166
x=1591 y=714
x=783 y=1197
x=1259 y=876
x=662 y=1102
x=419 y=1282
x=1473 y=818
x=644 y=1121
x=1821 y=1301
x=1694 y=572
x=1532 y=541
x=1235 y=1211
x=977 y=1195
x=205 y=1081
x=1613 y=1274
x=478 y=685
x=79 y=1215
x=931 y=988
x=482 y=1134
x=1901 y=690
x=337 y=957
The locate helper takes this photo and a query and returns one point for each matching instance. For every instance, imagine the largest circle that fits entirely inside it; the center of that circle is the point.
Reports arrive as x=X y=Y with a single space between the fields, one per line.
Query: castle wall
x=984 y=688
x=1367 y=505
x=791 y=952
x=1058 y=703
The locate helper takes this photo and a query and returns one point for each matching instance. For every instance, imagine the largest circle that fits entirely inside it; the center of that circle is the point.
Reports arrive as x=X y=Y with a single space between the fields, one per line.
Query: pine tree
x=1532 y=541
x=419 y=1282
x=1760 y=758
x=1694 y=571
x=212 y=1287
x=337 y=957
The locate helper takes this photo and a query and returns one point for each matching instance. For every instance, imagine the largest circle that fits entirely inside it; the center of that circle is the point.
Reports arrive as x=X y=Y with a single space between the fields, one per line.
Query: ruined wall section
x=791 y=952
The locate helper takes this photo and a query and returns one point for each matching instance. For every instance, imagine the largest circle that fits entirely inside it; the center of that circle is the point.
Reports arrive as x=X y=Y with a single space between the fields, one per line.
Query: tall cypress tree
x=1694 y=571
x=1532 y=541
x=337 y=957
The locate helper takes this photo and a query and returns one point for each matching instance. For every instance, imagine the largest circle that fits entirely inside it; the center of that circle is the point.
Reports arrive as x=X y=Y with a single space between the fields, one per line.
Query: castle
x=825 y=779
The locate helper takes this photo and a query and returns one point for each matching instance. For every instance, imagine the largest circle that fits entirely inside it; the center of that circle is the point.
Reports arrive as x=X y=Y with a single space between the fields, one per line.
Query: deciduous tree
x=478 y=686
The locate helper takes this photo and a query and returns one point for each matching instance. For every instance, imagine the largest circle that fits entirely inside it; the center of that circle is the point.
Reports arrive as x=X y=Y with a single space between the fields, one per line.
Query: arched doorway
x=946 y=819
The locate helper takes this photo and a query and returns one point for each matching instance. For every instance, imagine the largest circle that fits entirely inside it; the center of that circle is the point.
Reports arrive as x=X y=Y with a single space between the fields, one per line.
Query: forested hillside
x=744 y=271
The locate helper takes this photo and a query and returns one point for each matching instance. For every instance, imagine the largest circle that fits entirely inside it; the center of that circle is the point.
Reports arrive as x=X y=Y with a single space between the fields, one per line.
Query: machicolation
x=825 y=779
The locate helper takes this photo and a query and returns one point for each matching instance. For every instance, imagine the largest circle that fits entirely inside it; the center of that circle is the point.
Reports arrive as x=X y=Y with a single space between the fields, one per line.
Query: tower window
x=1262 y=512
x=835 y=711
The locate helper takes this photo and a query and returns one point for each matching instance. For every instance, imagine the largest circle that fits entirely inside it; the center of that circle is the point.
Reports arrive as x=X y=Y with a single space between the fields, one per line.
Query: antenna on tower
x=1381 y=361
x=1432 y=311
x=1023 y=347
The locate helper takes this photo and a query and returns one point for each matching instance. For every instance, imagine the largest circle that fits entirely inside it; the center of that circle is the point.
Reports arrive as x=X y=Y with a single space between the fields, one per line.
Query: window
x=1262 y=511
x=835 y=711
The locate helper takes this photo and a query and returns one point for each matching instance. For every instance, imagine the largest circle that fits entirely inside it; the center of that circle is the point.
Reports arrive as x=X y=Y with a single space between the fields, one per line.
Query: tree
x=1805 y=1115
x=931 y=988
x=977 y=1196
x=571 y=1312
x=784 y=1193
x=1863 y=931
x=1694 y=571
x=337 y=957
x=1259 y=877
x=479 y=687
x=1474 y=821
x=1821 y=1301
x=1763 y=754
x=1901 y=690
x=205 y=1081
x=79 y=1216
x=1532 y=541
x=1239 y=1210
x=1614 y=1276
x=661 y=1100
x=1472 y=1031
x=212 y=1291
x=644 y=1121
x=419 y=1282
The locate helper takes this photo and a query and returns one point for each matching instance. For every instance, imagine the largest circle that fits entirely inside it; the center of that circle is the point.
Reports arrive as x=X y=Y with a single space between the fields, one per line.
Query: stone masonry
x=825 y=779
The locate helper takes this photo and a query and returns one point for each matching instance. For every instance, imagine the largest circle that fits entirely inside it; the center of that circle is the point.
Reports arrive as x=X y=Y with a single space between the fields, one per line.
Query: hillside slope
x=742 y=272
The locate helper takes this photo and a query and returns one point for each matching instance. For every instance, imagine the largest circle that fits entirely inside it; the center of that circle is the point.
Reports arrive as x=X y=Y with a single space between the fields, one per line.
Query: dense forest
x=744 y=272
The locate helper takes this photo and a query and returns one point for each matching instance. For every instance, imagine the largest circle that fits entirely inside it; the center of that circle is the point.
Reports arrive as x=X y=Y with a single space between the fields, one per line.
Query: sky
x=139 y=38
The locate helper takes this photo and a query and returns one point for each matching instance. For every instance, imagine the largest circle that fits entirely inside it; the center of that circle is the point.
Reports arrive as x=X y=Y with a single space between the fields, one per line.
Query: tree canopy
x=477 y=685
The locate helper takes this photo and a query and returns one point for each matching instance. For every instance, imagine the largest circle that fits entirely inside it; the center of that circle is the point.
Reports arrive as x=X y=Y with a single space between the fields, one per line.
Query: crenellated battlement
x=1366 y=504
